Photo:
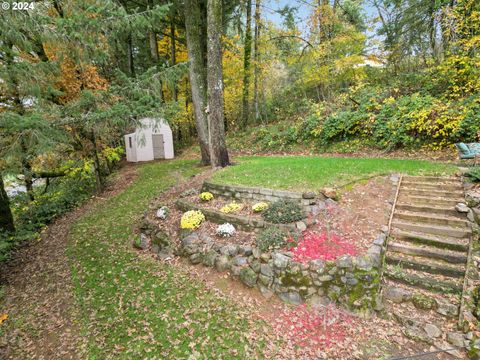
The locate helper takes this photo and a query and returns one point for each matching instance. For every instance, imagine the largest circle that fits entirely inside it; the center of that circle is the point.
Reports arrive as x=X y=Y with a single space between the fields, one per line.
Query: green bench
x=469 y=151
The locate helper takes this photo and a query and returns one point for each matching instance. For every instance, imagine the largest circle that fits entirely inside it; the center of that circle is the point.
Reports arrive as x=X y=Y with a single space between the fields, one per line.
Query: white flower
x=162 y=213
x=225 y=230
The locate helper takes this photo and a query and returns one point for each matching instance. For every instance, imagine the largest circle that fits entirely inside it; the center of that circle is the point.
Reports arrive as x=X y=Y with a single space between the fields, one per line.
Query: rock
x=248 y=276
x=308 y=195
x=280 y=261
x=380 y=240
x=196 y=258
x=443 y=345
x=432 y=330
x=344 y=262
x=301 y=226
x=417 y=334
x=143 y=244
x=384 y=229
x=240 y=261
x=317 y=266
x=325 y=278
x=397 y=295
x=266 y=270
x=265 y=257
x=447 y=309
x=256 y=253
x=265 y=280
x=235 y=270
x=462 y=208
x=318 y=301
x=378 y=303
x=222 y=263
x=230 y=249
x=473 y=198
x=246 y=250
x=189 y=192
x=476 y=214
x=423 y=302
x=209 y=258
x=455 y=338
x=291 y=297
x=266 y=292
x=190 y=239
x=470 y=215
x=255 y=265
x=330 y=193
x=155 y=248
x=363 y=263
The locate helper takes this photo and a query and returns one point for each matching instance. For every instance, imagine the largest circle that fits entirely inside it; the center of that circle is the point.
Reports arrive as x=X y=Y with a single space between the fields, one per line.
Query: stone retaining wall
x=351 y=281
x=307 y=200
x=245 y=223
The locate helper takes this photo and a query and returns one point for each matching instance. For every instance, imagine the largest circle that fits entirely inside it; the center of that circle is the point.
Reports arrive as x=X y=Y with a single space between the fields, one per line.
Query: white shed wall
x=142 y=146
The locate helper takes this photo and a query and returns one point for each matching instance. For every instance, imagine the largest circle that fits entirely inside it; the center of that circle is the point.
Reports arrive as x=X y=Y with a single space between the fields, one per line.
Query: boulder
x=308 y=195
x=461 y=208
x=280 y=261
x=301 y=226
x=292 y=297
x=222 y=263
x=248 y=276
x=266 y=270
x=330 y=193
x=344 y=262
x=456 y=339
x=432 y=330
x=240 y=261
x=397 y=295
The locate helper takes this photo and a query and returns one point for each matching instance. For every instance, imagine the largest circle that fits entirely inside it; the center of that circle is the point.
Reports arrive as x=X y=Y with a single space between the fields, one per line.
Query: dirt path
x=38 y=289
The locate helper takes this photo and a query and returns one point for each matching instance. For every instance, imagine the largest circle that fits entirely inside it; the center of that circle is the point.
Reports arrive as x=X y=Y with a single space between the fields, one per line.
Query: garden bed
x=336 y=259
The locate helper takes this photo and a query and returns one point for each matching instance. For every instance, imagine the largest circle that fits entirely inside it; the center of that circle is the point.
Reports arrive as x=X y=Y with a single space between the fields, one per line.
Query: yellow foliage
x=192 y=219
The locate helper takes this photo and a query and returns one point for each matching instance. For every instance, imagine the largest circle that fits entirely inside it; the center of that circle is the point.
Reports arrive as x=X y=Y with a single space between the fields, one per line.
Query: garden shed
x=151 y=140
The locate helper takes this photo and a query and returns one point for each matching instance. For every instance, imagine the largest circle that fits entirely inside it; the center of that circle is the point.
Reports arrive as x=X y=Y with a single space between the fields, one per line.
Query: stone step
x=427 y=218
x=432 y=229
x=427 y=200
x=424 y=282
x=432 y=186
x=432 y=240
x=424 y=265
x=432 y=179
x=432 y=193
x=427 y=251
x=440 y=210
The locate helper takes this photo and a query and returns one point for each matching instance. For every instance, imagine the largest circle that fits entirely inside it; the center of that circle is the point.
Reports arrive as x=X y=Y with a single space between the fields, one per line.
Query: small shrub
x=231 y=208
x=474 y=174
x=259 y=207
x=271 y=238
x=206 y=196
x=283 y=212
x=162 y=213
x=192 y=219
x=225 y=230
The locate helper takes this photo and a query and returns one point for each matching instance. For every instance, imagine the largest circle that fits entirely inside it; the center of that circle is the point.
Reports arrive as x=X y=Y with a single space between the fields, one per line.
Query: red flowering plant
x=323 y=246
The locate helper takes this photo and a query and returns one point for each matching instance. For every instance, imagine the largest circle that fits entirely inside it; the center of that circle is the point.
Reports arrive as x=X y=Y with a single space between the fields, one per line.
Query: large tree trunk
x=256 y=60
x=6 y=218
x=218 y=148
x=152 y=36
x=174 y=57
x=197 y=71
x=246 y=65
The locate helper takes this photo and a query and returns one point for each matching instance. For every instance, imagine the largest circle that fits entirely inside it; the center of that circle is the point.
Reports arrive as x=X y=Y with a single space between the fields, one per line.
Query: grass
x=310 y=173
x=132 y=306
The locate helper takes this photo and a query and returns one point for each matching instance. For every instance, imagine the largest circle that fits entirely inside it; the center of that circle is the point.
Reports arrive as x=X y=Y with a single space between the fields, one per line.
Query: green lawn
x=310 y=173
x=135 y=307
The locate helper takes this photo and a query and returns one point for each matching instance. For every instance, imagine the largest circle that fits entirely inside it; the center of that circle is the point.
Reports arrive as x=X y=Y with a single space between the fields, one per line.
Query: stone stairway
x=426 y=258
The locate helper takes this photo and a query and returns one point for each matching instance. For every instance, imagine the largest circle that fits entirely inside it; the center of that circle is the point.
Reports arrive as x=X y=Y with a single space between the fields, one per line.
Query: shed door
x=158 y=147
